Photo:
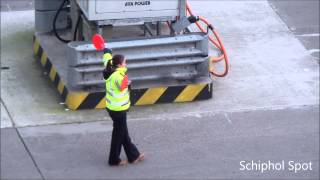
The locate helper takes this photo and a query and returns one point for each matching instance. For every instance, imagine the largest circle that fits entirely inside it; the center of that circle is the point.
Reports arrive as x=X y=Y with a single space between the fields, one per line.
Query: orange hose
x=218 y=44
x=226 y=58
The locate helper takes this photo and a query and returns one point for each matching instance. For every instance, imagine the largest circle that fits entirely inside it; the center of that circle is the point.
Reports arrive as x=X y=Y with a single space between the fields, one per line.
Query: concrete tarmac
x=266 y=109
x=270 y=68
x=206 y=146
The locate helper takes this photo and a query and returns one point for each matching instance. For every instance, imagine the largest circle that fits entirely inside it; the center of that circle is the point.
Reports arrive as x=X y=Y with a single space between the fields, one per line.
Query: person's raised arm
x=107 y=56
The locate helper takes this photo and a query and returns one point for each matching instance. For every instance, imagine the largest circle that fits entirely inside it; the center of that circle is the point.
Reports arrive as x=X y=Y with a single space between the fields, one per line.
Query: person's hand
x=125 y=83
x=107 y=50
x=129 y=85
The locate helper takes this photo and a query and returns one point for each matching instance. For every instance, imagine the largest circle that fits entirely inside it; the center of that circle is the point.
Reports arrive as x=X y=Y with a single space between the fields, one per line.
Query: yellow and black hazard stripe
x=149 y=96
x=96 y=100
x=50 y=69
x=172 y=94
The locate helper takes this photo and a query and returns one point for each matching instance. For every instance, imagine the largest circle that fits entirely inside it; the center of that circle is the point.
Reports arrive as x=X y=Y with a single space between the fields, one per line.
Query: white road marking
x=311 y=51
x=8 y=7
x=228 y=119
x=309 y=35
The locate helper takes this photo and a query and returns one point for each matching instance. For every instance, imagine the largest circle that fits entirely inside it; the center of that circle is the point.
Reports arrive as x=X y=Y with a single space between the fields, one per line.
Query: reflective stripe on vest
x=117 y=95
x=116 y=99
x=117 y=104
x=113 y=94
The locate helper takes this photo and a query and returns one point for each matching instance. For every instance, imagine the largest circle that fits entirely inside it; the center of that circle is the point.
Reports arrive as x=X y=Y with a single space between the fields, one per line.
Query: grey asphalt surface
x=16 y=162
x=302 y=18
x=206 y=146
x=199 y=146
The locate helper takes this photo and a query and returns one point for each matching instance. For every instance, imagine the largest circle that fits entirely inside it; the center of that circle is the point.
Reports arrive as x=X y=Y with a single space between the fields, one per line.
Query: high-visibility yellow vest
x=117 y=100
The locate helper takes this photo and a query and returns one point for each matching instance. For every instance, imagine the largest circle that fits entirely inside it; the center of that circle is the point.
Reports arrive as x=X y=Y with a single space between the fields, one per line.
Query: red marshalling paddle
x=98 y=42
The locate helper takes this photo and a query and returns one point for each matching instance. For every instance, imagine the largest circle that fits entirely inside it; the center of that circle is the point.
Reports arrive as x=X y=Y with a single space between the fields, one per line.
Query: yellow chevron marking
x=36 y=46
x=151 y=96
x=60 y=86
x=53 y=73
x=74 y=99
x=102 y=104
x=189 y=93
x=43 y=59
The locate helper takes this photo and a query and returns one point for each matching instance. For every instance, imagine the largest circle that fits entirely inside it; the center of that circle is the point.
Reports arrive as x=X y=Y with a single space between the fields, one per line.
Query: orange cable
x=217 y=43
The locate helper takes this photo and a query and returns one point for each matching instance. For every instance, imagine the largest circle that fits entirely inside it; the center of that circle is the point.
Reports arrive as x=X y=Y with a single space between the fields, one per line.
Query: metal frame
x=176 y=59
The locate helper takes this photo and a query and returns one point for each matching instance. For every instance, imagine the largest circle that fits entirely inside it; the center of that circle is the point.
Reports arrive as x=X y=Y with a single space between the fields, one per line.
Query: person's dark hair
x=112 y=65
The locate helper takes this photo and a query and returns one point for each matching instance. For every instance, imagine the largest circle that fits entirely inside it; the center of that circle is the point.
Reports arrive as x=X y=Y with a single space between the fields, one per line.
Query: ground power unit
x=167 y=62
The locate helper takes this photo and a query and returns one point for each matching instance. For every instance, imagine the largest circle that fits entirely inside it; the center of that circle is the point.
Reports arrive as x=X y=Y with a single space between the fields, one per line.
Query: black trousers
x=120 y=137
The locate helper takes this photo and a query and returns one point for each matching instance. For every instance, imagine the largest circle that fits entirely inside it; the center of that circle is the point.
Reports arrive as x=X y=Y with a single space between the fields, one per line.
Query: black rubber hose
x=77 y=25
x=55 y=21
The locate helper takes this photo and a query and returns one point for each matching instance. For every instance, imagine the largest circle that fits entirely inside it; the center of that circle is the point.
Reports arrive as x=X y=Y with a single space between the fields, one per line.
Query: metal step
x=185 y=76
x=140 y=56
x=153 y=59
x=141 y=65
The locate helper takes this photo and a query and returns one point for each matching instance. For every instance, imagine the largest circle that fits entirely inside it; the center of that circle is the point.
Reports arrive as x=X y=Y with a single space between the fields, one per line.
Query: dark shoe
x=140 y=158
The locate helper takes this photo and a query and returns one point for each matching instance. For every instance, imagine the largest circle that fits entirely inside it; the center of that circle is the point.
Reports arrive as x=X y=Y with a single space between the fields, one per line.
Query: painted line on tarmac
x=7 y=110
x=311 y=51
x=309 y=35
x=227 y=118
x=22 y=140
x=9 y=8
x=30 y=154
